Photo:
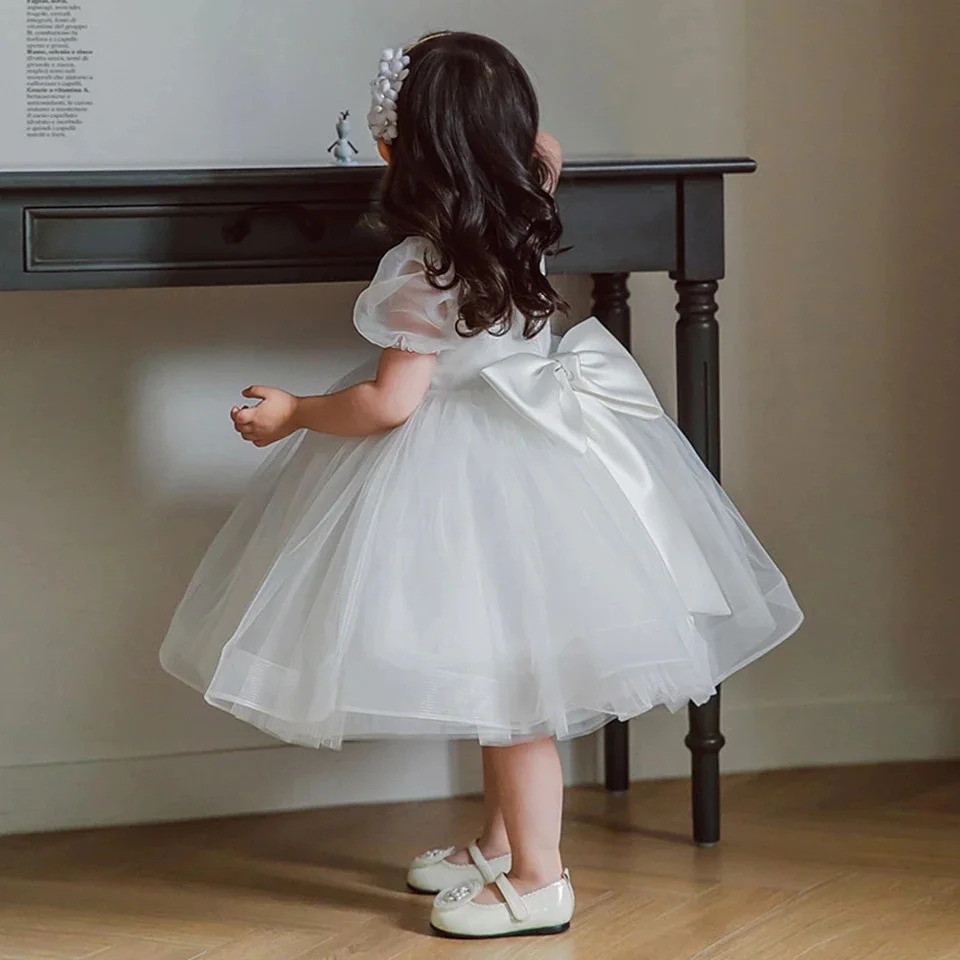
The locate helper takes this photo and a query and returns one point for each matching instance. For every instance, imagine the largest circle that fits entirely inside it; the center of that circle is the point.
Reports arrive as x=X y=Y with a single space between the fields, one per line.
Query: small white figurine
x=342 y=149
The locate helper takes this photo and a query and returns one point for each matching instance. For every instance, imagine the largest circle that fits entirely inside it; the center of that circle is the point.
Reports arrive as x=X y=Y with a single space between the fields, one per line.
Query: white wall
x=236 y=82
x=840 y=367
x=119 y=466
x=839 y=350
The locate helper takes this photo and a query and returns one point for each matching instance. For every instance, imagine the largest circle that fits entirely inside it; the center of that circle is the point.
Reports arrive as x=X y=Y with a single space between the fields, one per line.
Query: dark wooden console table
x=198 y=227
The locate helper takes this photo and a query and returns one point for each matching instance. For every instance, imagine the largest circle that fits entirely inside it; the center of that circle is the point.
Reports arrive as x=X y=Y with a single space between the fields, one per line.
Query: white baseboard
x=96 y=793
x=783 y=736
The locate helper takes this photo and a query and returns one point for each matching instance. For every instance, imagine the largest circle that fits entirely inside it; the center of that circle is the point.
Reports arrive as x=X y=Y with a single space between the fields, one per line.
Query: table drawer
x=198 y=237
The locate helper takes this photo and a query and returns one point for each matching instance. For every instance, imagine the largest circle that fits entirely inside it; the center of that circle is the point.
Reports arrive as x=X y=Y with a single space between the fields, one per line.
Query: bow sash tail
x=576 y=394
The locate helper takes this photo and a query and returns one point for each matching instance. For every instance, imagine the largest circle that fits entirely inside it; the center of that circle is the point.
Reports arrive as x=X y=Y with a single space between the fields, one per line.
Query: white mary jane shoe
x=432 y=872
x=545 y=911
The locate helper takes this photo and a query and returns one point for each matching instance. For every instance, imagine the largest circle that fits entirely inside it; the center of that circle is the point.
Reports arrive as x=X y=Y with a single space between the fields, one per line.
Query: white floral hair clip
x=382 y=118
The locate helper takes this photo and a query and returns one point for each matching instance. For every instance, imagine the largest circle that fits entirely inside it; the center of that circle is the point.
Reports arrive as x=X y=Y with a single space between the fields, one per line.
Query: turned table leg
x=698 y=388
x=611 y=306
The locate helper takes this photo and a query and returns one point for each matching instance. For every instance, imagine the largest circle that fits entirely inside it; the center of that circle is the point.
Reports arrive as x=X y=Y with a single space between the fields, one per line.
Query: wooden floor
x=826 y=865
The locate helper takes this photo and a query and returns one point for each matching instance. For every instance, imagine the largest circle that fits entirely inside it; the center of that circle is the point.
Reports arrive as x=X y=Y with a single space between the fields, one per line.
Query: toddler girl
x=480 y=538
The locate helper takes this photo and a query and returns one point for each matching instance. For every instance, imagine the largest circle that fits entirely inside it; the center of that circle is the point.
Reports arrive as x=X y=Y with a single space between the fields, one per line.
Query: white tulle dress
x=536 y=551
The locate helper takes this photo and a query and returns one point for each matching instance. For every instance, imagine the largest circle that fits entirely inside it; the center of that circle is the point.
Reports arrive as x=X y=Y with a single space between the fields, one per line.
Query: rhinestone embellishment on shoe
x=458 y=895
x=433 y=856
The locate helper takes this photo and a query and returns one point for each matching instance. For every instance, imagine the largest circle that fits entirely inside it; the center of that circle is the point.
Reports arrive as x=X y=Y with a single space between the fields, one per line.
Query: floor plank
x=835 y=864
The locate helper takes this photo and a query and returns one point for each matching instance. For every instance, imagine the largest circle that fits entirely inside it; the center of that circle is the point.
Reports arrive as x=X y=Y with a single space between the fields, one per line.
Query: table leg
x=698 y=390
x=611 y=306
x=705 y=741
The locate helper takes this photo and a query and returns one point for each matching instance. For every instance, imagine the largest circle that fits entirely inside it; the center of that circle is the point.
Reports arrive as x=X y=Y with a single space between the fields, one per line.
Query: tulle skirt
x=468 y=575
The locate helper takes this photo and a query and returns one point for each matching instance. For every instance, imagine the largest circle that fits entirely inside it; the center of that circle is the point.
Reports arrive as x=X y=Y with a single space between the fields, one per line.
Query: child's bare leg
x=493 y=840
x=530 y=787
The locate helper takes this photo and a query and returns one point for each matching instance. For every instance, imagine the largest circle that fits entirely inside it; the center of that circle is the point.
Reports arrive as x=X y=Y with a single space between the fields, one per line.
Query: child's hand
x=270 y=420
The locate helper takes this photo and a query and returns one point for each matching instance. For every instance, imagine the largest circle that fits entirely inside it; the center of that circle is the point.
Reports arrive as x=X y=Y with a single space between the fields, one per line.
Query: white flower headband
x=382 y=118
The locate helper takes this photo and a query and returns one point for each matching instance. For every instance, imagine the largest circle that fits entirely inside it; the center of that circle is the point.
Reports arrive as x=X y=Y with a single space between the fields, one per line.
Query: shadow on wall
x=854 y=354
x=120 y=466
x=925 y=404
x=182 y=451
x=126 y=465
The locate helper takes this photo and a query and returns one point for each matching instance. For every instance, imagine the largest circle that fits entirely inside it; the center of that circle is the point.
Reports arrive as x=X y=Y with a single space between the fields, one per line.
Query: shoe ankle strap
x=481 y=863
x=514 y=901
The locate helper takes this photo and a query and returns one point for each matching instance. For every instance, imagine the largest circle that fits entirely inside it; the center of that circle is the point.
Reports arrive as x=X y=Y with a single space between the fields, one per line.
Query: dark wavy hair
x=465 y=173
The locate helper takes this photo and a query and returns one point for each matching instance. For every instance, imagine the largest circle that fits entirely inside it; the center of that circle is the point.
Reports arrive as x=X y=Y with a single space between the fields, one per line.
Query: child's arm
x=359 y=411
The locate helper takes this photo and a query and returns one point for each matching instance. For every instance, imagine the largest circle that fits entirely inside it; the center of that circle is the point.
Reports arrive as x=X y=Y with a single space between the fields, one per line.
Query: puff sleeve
x=402 y=310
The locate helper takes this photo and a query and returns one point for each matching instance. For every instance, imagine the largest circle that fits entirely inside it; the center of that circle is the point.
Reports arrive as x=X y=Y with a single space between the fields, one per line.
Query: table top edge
x=276 y=176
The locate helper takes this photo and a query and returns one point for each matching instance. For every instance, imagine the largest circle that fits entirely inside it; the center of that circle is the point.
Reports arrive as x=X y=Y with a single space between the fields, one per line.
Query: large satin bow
x=576 y=394
x=560 y=392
